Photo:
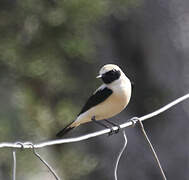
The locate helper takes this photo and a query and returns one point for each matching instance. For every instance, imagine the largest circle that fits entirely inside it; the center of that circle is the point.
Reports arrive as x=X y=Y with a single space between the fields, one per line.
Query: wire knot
x=21 y=144
x=134 y=120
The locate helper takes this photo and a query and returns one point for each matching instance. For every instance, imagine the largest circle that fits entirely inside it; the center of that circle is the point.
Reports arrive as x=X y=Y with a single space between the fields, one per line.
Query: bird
x=107 y=101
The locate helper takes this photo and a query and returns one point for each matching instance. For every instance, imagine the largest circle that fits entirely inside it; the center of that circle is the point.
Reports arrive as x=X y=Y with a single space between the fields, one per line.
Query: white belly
x=107 y=109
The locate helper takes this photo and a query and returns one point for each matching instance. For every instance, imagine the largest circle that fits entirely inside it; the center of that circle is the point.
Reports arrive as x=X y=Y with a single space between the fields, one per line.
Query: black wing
x=99 y=96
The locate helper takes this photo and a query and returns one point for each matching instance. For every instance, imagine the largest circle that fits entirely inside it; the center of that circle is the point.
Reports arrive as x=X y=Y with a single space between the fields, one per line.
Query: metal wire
x=44 y=162
x=120 y=154
x=131 y=122
x=14 y=164
x=152 y=149
x=98 y=133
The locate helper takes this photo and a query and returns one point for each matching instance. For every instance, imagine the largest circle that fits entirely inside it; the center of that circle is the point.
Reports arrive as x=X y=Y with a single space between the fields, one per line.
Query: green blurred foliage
x=44 y=45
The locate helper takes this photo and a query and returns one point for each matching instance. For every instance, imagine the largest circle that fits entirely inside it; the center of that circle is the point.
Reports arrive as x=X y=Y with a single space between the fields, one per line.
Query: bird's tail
x=66 y=129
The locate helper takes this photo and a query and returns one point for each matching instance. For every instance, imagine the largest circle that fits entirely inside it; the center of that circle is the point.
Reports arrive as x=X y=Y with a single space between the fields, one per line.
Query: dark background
x=50 y=54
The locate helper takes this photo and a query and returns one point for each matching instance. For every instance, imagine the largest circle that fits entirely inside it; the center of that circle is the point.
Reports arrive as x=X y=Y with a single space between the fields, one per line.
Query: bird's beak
x=99 y=76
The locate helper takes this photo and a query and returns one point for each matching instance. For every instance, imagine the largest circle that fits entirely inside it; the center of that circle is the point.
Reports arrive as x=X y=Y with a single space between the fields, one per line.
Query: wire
x=94 y=134
x=14 y=165
x=45 y=163
x=131 y=122
x=152 y=149
x=120 y=154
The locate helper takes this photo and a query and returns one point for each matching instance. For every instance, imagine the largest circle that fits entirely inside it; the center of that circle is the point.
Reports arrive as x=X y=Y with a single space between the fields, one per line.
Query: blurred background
x=50 y=54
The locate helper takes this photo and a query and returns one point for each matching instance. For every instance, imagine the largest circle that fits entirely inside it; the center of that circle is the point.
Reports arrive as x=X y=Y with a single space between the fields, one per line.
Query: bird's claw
x=112 y=131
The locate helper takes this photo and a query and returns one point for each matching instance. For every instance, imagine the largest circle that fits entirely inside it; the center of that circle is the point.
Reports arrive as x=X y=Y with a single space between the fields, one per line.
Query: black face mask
x=111 y=76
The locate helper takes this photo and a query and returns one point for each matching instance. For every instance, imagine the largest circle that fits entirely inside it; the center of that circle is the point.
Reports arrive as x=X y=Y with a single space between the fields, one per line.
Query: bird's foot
x=112 y=131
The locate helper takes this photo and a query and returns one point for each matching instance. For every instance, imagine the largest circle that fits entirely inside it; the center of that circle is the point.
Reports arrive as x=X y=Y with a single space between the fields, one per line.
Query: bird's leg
x=114 y=124
x=100 y=123
x=104 y=125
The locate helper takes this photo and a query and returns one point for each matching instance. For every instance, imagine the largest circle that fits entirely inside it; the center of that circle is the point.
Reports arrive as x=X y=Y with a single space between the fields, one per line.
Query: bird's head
x=109 y=73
